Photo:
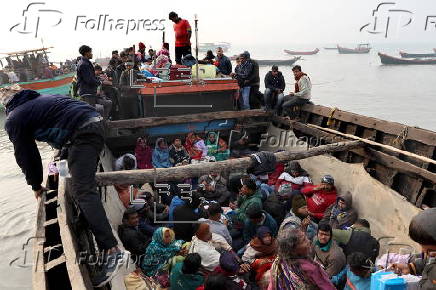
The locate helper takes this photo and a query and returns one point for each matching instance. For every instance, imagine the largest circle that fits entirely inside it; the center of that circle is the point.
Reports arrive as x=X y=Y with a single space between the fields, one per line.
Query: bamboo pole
x=196 y=170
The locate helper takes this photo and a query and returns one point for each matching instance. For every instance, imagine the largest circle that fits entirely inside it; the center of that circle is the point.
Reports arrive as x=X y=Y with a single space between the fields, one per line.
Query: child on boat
x=161 y=154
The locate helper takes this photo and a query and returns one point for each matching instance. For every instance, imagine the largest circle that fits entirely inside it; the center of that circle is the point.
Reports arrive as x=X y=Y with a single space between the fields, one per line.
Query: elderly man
x=57 y=119
x=223 y=62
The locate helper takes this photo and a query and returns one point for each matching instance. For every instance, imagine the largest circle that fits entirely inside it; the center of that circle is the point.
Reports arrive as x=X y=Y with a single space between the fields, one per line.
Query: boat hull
x=416 y=55
x=291 y=52
x=271 y=62
x=344 y=50
x=390 y=60
x=59 y=85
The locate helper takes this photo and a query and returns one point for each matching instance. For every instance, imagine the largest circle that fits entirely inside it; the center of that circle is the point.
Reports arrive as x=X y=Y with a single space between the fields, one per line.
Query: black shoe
x=112 y=265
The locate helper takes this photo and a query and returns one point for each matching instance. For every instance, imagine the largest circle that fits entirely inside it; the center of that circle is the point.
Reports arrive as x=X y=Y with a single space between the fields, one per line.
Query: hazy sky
x=243 y=23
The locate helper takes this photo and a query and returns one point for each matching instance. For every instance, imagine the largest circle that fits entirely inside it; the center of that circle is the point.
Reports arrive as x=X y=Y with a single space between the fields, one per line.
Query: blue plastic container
x=391 y=284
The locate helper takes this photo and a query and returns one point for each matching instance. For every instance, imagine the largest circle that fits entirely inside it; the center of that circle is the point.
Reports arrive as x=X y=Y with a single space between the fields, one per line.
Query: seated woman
x=125 y=162
x=162 y=248
x=178 y=154
x=185 y=275
x=161 y=154
x=217 y=147
x=293 y=268
x=143 y=154
x=260 y=254
x=231 y=268
x=295 y=176
x=195 y=146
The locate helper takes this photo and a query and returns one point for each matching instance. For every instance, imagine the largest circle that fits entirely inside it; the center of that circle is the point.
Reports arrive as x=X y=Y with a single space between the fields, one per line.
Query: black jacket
x=363 y=242
x=87 y=82
x=224 y=65
x=275 y=82
x=263 y=162
x=45 y=118
x=185 y=231
x=247 y=74
x=133 y=239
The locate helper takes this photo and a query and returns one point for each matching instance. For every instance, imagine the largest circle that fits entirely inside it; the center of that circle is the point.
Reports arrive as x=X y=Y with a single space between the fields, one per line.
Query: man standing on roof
x=183 y=32
x=59 y=120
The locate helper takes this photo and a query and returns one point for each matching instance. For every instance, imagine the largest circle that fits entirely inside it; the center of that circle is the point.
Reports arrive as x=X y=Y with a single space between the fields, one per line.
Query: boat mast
x=196 y=45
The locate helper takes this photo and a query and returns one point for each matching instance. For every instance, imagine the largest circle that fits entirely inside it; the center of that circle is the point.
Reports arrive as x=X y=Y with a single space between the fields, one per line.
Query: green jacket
x=244 y=202
x=343 y=236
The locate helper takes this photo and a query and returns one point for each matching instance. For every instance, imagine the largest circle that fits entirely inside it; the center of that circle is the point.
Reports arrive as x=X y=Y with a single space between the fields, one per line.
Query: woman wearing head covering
x=143 y=154
x=217 y=147
x=195 y=146
x=261 y=253
x=230 y=267
x=293 y=268
x=162 y=248
x=161 y=154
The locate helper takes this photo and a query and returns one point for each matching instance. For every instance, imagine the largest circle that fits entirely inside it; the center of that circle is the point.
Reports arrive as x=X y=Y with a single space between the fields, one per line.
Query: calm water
x=357 y=83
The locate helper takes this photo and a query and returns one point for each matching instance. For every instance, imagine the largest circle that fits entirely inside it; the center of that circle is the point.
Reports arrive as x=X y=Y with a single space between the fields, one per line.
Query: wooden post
x=158 y=121
x=196 y=170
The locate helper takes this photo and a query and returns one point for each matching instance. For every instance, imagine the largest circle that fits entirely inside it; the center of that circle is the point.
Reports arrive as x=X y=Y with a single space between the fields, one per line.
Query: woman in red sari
x=143 y=154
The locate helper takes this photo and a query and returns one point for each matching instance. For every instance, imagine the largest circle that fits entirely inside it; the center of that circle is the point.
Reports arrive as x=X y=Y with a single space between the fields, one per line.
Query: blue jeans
x=268 y=98
x=245 y=98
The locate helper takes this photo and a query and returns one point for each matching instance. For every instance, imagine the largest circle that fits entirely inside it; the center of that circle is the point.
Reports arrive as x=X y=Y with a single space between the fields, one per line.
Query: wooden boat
x=360 y=49
x=383 y=164
x=271 y=62
x=387 y=59
x=292 y=52
x=330 y=48
x=416 y=55
x=29 y=66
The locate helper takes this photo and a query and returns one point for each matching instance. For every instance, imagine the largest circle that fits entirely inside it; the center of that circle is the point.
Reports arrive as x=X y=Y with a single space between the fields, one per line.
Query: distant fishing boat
x=205 y=46
x=33 y=71
x=387 y=59
x=330 y=48
x=360 y=49
x=288 y=62
x=416 y=55
x=292 y=52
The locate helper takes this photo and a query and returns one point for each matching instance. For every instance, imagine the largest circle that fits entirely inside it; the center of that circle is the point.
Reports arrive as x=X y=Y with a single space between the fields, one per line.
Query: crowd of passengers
x=270 y=226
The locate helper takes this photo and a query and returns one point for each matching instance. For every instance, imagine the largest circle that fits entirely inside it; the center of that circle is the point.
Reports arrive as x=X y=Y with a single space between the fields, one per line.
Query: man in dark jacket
x=274 y=87
x=87 y=82
x=57 y=119
x=224 y=64
x=248 y=79
x=184 y=214
x=133 y=239
x=358 y=239
x=257 y=218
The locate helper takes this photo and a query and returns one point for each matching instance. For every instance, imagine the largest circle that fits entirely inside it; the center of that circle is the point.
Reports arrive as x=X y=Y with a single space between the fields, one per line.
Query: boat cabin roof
x=23 y=52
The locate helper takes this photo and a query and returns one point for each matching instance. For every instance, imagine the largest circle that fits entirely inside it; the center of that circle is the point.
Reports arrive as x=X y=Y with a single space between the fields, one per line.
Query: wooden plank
x=380 y=157
x=196 y=170
x=77 y=279
x=370 y=142
x=38 y=270
x=414 y=133
x=55 y=262
x=171 y=120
